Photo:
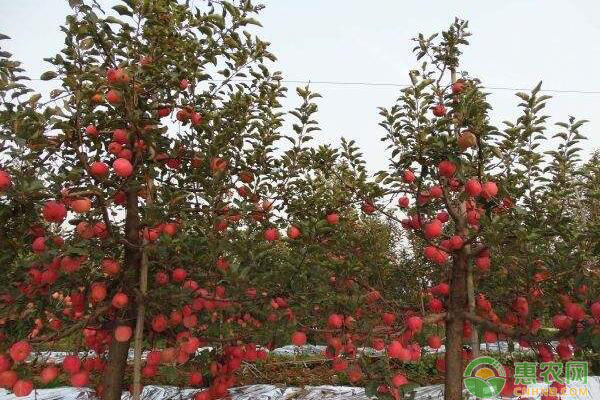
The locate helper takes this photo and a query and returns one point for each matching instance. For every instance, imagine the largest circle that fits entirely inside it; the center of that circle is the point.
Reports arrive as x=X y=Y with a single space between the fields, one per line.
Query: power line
x=400 y=85
x=403 y=85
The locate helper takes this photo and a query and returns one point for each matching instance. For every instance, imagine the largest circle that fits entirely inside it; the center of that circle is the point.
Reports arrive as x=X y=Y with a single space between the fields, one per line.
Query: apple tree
x=120 y=186
x=503 y=219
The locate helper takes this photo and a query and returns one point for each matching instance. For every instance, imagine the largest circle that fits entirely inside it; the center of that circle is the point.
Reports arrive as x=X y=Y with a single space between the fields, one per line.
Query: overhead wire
x=400 y=85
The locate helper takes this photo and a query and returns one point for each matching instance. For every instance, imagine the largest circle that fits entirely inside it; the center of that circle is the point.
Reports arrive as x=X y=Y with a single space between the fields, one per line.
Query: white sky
x=515 y=43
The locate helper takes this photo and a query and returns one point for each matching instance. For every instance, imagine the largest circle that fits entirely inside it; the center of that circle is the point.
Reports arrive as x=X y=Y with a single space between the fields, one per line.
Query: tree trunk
x=118 y=351
x=471 y=299
x=115 y=370
x=139 y=327
x=454 y=327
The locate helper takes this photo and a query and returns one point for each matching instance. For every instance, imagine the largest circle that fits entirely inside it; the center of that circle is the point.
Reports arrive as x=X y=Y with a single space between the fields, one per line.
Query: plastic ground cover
x=274 y=392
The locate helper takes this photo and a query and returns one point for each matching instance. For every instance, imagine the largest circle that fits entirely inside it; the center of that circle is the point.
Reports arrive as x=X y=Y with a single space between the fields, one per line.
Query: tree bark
x=471 y=299
x=454 y=327
x=115 y=370
x=139 y=327
x=118 y=351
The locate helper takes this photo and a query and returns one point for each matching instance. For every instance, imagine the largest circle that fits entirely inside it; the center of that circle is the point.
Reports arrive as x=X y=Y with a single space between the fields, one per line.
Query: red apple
x=457 y=87
x=178 y=274
x=48 y=374
x=120 y=136
x=161 y=278
x=22 y=388
x=120 y=300
x=164 y=112
x=333 y=218
x=80 y=379
x=473 y=187
x=123 y=333
x=5 y=363
x=293 y=232
x=439 y=110
x=19 y=351
x=403 y=202
x=81 y=205
x=196 y=118
x=483 y=263
x=5 y=180
x=433 y=229
x=122 y=167
x=98 y=292
x=54 y=211
x=434 y=341
x=489 y=190
x=456 y=242
x=298 y=338
x=447 y=168
x=271 y=234
x=368 y=207
x=335 y=321
x=98 y=169
x=389 y=318
x=408 y=176
x=394 y=349
x=91 y=131
x=399 y=380
x=8 y=379
x=113 y=97
x=110 y=266
x=71 y=364
x=339 y=364
x=159 y=323
x=414 y=323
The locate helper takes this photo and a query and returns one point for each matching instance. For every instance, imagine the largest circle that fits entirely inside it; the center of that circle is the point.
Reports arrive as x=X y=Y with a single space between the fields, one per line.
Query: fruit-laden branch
x=102 y=204
x=454 y=213
x=430 y=319
x=83 y=160
x=73 y=328
x=390 y=215
x=511 y=332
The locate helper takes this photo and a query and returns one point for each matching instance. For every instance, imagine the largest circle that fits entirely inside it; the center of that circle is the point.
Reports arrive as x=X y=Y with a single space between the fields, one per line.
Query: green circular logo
x=484 y=377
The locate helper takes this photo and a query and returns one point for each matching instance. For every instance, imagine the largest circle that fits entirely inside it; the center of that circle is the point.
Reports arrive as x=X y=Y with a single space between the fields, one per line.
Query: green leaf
x=48 y=75
x=113 y=20
x=371 y=389
x=497 y=152
x=233 y=10
x=216 y=19
x=75 y=3
x=123 y=10
x=87 y=43
x=522 y=95
x=251 y=21
x=409 y=387
x=424 y=84
x=34 y=99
